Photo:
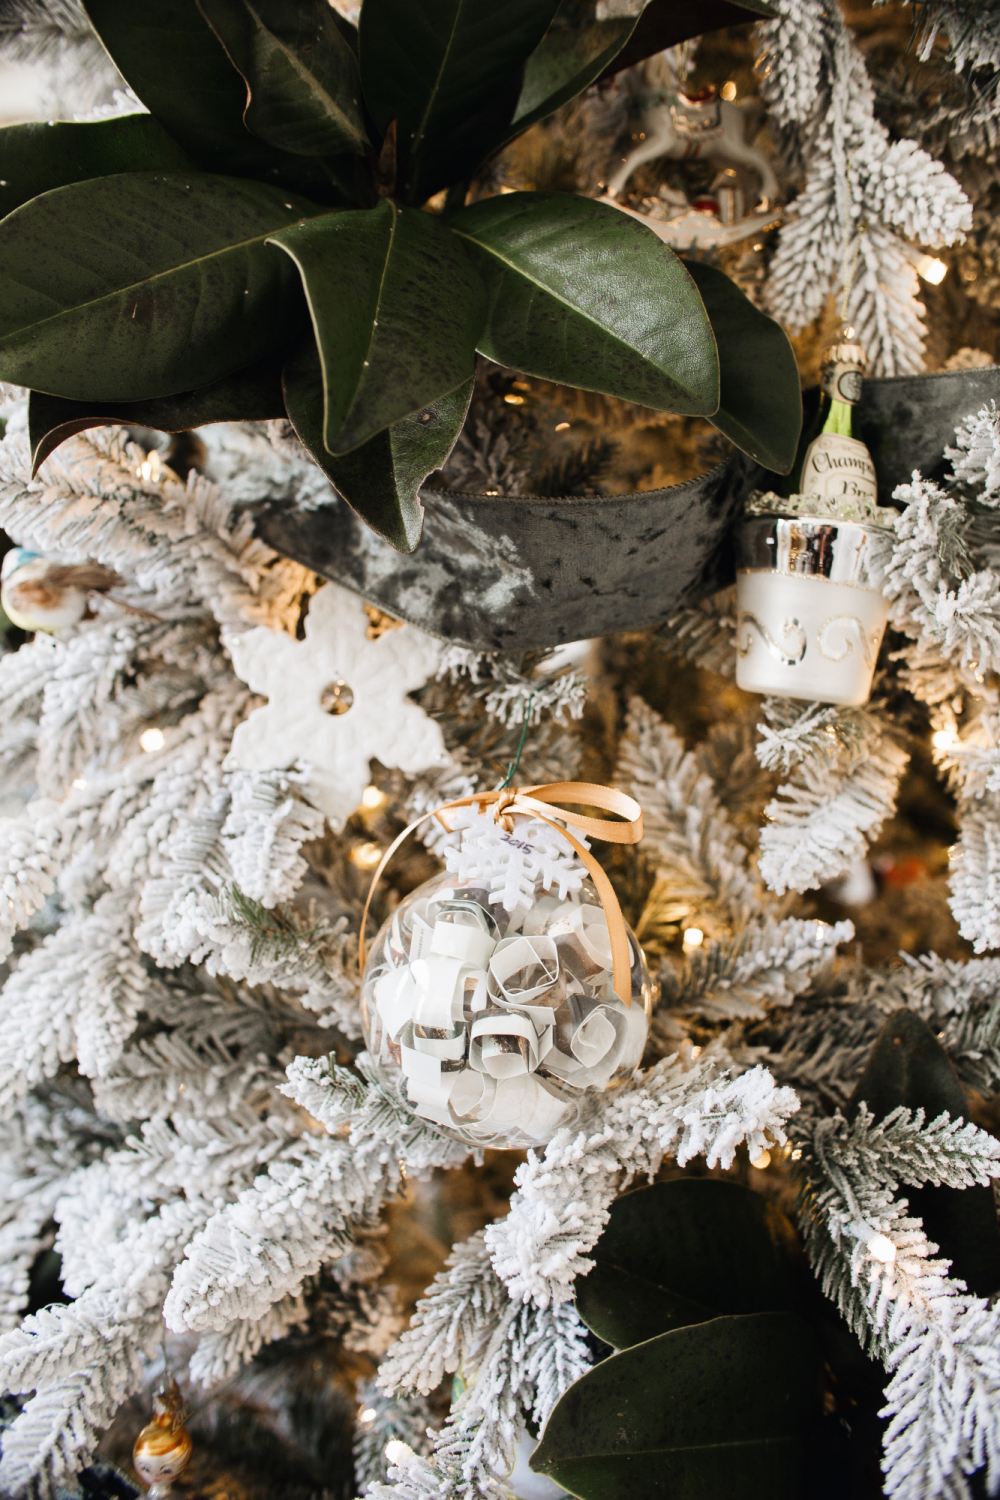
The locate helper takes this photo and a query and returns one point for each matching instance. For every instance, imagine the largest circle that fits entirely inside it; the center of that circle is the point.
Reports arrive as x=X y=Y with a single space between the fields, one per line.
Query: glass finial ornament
x=162 y=1450
x=490 y=992
x=810 y=612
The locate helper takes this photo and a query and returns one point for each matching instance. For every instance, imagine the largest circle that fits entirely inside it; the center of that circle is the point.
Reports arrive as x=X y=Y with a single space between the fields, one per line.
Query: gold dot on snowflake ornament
x=335 y=700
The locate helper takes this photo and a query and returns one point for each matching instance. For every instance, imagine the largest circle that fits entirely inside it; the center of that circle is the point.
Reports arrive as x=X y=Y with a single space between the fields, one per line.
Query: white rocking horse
x=683 y=127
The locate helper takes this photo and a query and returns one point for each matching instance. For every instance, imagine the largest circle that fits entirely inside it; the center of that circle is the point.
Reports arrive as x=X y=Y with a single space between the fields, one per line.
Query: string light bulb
x=880 y=1246
x=371 y=797
x=152 y=740
x=944 y=739
x=397 y=1452
x=366 y=856
x=762 y=1161
x=693 y=937
x=931 y=270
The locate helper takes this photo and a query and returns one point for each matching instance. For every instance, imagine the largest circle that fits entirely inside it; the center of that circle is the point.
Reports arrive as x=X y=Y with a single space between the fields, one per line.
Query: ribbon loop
x=546 y=803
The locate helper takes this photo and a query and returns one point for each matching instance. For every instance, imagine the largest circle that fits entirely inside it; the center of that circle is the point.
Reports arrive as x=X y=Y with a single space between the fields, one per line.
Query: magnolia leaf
x=585 y=296
x=41 y=156
x=713 y=1409
x=448 y=72
x=682 y=1252
x=173 y=61
x=664 y=23
x=909 y=1067
x=144 y=284
x=381 y=480
x=571 y=55
x=576 y=51
x=762 y=417
x=250 y=395
x=347 y=29
x=397 y=306
x=304 y=88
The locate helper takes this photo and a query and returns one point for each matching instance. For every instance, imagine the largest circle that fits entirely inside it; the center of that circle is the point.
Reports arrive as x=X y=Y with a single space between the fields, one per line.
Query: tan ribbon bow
x=544 y=802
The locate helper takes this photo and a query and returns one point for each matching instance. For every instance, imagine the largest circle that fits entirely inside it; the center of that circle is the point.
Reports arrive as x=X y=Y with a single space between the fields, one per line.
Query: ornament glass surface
x=502 y=1021
x=161 y=1452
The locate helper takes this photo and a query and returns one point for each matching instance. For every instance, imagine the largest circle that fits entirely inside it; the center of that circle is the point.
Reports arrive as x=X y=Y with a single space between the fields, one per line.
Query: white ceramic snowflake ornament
x=335 y=700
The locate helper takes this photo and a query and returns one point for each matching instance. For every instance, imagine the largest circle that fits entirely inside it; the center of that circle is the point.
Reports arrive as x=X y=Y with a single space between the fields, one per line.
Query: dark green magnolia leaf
x=577 y=50
x=713 y=1409
x=347 y=29
x=169 y=55
x=760 y=406
x=250 y=395
x=583 y=295
x=382 y=478
x=397 y=306
x=37 y=157
x=682 y=1252
x=664 y=23
x=448 y=73
x=140 y=285
x=571 y=55
x=909 y=1067
x=304 y=88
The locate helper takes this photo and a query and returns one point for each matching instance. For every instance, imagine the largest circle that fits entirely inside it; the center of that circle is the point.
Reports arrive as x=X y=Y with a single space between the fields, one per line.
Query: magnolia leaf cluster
x=287 y=232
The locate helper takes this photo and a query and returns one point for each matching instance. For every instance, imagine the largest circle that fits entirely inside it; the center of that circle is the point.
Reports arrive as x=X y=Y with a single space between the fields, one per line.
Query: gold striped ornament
x=162 y=1450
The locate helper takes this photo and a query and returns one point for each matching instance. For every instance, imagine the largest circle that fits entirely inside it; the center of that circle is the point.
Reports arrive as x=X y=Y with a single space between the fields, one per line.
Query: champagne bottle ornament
x=837 y=466
x=810 y=616
x=505 y=991
x=162 y=1450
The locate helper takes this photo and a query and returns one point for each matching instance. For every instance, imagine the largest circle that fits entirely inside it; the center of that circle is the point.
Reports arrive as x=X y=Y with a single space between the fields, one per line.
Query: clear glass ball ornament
x=501 y=1022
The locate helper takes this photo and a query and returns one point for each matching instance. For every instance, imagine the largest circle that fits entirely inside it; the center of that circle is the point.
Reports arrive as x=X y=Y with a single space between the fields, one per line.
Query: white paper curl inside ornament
x=501 y=1022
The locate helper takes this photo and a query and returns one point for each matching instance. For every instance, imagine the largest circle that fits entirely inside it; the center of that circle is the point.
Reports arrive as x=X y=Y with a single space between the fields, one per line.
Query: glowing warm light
x=369 y=1415
x=695 y=1051
x=944 y=739
x=882 y=1248
x=398 y=1452
x=146 y=470
x=797 y=1154
x=372 y=797
x=366 y=855
x=930 y=269
x=693 y=937
x=514 y=400
x=152 y=740
x=762 y=1161
x=562 y=427
x=79 y=784
x=728 y=90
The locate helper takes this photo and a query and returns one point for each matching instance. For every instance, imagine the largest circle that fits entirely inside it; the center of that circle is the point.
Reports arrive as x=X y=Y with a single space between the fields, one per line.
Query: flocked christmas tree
x=206 y=1175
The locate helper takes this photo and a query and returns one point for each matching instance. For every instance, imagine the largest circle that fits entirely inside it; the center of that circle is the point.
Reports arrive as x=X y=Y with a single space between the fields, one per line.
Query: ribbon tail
x=621 y=962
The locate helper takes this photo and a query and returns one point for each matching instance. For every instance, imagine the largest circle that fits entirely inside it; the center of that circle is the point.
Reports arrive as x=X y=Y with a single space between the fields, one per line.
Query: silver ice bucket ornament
x=810 y=615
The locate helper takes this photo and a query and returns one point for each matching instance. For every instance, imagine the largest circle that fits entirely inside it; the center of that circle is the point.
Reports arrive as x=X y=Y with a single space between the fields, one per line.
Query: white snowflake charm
x=491 y=988
x=335 y=700
x=512 y=865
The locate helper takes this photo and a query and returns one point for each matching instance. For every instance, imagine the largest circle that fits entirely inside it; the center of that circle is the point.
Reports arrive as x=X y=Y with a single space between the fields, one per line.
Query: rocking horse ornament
x=702 y=125
x=686 y=127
